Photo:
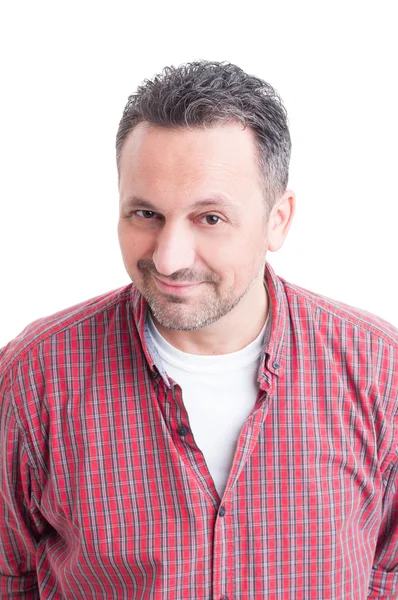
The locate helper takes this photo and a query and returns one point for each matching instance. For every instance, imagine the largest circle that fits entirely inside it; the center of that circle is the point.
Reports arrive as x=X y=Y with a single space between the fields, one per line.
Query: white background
x=67 y=70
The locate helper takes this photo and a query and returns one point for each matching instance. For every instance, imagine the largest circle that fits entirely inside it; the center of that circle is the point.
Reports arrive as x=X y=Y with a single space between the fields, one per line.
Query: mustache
x=184 y=275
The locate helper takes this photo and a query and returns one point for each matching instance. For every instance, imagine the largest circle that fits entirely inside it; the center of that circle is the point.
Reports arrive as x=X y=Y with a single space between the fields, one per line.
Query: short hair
x=202 y=94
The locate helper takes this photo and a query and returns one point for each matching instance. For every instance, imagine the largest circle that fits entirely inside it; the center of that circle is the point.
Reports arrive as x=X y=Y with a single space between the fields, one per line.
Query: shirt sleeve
x=21 y=526
x=384 y=578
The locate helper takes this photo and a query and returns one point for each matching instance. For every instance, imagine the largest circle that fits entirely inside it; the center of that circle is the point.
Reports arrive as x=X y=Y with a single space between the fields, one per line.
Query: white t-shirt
x=219 y=393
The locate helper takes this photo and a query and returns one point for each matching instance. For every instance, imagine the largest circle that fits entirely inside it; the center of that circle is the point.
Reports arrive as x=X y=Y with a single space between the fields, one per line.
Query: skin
x=192 y=211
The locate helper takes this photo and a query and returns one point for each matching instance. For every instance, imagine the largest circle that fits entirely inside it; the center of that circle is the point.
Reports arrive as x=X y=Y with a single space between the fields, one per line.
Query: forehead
x=183 y=157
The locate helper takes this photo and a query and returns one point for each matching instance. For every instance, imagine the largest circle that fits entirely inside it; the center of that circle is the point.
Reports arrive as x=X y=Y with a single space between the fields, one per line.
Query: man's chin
x=174 y=322
x=180 y=322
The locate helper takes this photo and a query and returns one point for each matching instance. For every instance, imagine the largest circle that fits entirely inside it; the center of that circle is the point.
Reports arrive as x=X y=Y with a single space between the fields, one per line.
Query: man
x=209 y=430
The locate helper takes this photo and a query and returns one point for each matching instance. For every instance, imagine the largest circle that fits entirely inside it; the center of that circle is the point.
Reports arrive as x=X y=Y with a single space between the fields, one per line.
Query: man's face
x=192 y=212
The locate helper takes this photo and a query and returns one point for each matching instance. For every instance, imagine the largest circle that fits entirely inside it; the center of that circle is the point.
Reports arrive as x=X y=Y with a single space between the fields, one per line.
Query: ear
x=280 y=220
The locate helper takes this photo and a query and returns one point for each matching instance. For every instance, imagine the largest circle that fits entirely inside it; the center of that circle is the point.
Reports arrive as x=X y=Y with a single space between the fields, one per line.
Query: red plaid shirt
x=105 y=494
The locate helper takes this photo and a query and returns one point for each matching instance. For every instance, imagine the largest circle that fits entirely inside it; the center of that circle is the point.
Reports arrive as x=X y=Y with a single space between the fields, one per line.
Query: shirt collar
x=272 y=357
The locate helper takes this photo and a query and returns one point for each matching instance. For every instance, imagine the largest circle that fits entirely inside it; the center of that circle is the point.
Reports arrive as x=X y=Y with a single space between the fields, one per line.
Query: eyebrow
x=216 y=200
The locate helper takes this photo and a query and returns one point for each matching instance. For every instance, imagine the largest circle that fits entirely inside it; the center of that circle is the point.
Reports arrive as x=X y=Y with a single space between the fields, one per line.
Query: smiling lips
x=177 y=289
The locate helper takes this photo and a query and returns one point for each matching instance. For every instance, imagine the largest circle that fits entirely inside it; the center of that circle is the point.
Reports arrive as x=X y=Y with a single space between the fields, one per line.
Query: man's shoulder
x=68 y=318
x=341 y=311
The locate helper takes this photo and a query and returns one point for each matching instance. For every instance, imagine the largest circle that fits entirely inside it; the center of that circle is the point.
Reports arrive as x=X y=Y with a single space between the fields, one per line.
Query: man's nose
x=174 y=250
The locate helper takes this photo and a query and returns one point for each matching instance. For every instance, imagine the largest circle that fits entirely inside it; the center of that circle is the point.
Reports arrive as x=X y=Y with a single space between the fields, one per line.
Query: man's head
x=203 y=154
x=204 y=94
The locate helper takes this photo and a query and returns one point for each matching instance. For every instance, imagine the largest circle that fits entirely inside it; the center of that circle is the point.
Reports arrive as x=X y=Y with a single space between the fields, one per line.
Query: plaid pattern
x=104 y=494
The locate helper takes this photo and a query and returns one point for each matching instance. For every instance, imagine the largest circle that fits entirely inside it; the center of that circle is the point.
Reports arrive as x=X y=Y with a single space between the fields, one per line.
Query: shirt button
x=276 y=365
x=223 y=597
x=221 y=512
x=182 y=430
x=154 y=374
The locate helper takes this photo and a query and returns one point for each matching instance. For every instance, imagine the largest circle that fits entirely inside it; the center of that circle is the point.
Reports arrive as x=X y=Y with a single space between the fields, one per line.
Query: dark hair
x=203 y=93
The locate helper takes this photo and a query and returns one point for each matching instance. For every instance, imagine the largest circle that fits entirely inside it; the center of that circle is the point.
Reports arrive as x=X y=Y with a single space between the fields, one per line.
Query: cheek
x=247 y=258
x=236 y=252
x=134 y=245
x=235 y=260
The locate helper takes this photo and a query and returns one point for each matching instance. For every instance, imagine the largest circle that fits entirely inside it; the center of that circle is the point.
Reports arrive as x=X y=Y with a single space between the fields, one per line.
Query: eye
x=212 y=219
x=146 y=214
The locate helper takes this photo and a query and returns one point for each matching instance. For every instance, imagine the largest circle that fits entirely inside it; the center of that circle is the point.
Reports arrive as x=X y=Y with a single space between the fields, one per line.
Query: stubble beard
x=183 y=314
